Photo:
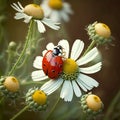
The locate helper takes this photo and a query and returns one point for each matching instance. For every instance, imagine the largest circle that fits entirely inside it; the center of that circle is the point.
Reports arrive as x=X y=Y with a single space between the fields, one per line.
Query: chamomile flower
x=57 y=10
x=9 y=87
x=99 y=32
x=36 y=99
x=91 y=104
x=73 y=78
x=35 y=12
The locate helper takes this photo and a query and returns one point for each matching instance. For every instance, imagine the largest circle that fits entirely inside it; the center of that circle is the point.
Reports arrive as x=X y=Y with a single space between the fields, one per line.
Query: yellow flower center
x=70 y=66
x=94 y=102
x=34 y=10
x=39 y=97
x=55 y=4
x=102 y=30
x=11 y=84
x=70 y=70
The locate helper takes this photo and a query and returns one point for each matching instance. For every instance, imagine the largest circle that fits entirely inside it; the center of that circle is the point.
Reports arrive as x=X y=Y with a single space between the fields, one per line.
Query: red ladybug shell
x=52 y=65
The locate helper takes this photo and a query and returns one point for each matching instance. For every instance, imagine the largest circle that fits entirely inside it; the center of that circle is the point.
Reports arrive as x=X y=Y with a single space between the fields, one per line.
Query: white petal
x=92 y=69
x=27 y=18
x=50 y=23
x=67 y=8
x=88 y=57
x=38 y=62
x=65 y=45
x=20 y=5
x=16 y=7
x=88 y=80
x=46 y=8
x=43 y=52
x=88 y=87
x=51 y=86
x=76 y=89
x=67 y=91
x=81 y=85
x=48 y=84
x=64 y=16
x=77 y=48
x=50 y=46
x=38 y=75
x=55 y=16
x=41 y=27
x=19 y=15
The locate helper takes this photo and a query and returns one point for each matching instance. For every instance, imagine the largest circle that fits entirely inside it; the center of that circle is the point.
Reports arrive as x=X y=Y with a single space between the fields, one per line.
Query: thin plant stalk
x=112 y=106
x=28 y=38
x=53 y=109
x=19 y=113
x=90 y=47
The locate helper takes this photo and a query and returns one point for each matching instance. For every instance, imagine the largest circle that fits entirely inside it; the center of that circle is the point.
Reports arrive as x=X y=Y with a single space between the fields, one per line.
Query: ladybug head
x=58 y=50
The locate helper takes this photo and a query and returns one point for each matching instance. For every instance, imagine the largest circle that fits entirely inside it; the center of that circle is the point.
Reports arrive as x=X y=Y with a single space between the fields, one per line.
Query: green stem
x=112 y=105
x=24 y=61
x=19 y=113
x=90 y=47
x=1 y=100
x=53 y=108
x=23 y=51
x=31 y=83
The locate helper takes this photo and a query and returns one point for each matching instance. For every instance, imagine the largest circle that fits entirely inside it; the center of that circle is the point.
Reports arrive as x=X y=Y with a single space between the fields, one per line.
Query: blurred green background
x=85 y=13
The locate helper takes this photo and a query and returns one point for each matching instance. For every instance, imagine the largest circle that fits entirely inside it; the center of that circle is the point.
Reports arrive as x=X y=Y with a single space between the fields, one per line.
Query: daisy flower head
x=57 y=10
x=9 y=87
x=99 y=32
x=36 y=99
x=35 y=12
x=91 y=104
x=73 y=78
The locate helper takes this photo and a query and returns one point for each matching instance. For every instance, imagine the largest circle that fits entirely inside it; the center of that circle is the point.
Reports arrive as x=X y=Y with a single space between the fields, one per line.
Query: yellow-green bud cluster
x=91 y=104
x=36 y=103
x=9 y=88
x=99 y=32
x=12 y=45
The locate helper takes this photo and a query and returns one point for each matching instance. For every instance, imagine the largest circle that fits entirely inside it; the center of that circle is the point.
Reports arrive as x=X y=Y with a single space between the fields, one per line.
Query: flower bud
x=102 y=30
x=34 y=10
x=91 y=104
x=39 y=97
x=99 y=32
x=36 y=99
x=12 y=45
x=9 y=86
x=94 y=102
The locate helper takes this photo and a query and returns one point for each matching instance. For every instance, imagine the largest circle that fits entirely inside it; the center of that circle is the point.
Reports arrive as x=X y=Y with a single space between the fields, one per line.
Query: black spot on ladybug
x=56 y=63
x=44 y=65
x=46 y=72
x=60 y=65
x=53 y=71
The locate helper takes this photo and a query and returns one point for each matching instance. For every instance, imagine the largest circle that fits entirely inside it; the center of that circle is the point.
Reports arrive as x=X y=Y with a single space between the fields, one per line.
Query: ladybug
x=52 y=62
